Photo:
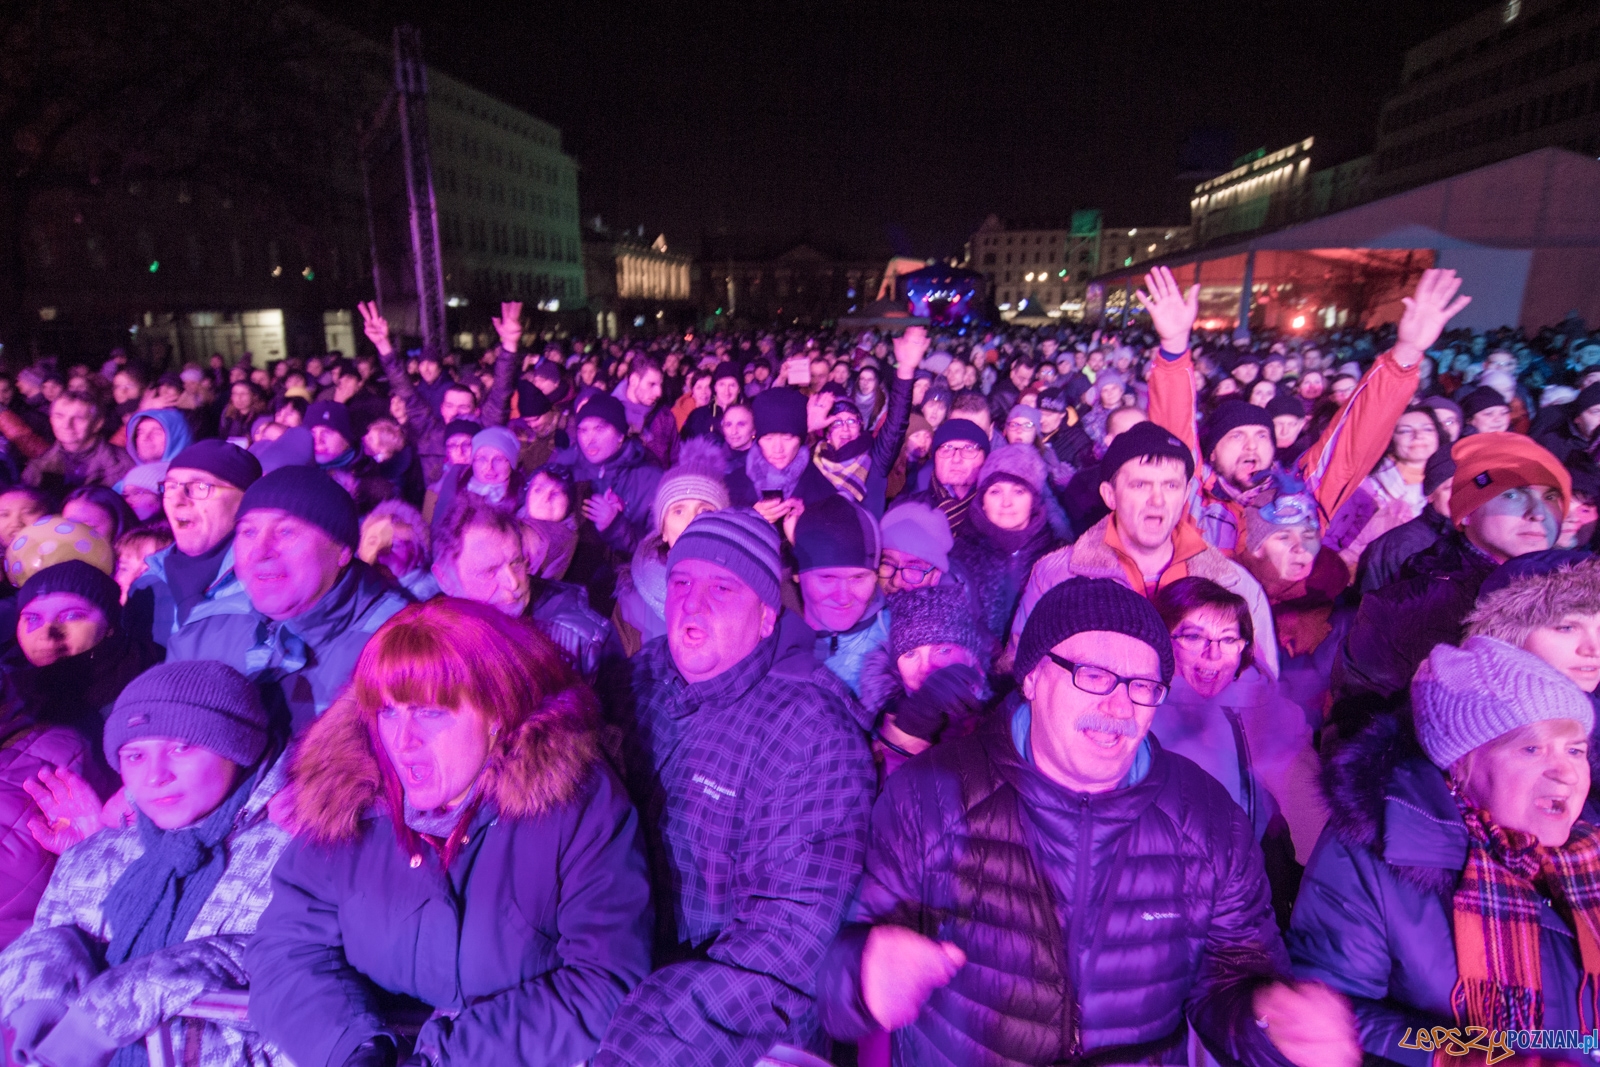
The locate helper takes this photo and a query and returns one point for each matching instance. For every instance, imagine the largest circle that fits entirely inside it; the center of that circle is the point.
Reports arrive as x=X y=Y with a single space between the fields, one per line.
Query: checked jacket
x=756 y=789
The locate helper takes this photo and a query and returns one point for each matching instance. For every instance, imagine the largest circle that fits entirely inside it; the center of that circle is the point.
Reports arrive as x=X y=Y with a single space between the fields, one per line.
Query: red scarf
x=1507 y=879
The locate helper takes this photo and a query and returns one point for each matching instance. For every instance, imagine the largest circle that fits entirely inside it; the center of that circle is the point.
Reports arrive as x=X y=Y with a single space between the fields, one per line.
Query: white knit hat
x=1465 y=697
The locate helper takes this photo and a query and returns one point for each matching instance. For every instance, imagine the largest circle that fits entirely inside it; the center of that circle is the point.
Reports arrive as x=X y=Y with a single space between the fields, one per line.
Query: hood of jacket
x=1385 y=797
x=338 y=779
x=179 y=436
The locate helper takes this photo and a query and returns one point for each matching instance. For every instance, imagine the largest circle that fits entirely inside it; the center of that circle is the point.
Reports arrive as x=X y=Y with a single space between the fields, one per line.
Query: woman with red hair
x=462 y=847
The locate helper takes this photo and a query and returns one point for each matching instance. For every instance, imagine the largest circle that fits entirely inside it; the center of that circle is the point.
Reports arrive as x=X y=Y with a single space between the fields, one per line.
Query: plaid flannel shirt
x=756 y=790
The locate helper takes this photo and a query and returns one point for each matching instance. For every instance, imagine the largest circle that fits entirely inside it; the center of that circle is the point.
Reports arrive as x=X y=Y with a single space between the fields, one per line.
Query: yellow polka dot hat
x=52 y=540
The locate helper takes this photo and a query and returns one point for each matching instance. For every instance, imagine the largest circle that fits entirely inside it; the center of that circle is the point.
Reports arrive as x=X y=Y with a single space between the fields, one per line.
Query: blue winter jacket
x=1374 y=919
x=302 y=663
x=152 y=614
x=520 y=952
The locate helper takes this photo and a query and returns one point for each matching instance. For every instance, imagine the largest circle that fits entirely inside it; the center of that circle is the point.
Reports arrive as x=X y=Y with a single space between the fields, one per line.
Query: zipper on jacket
x=1071 y=1032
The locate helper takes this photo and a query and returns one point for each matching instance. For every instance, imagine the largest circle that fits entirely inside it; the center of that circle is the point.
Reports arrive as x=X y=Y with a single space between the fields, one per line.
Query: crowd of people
x=979 y=697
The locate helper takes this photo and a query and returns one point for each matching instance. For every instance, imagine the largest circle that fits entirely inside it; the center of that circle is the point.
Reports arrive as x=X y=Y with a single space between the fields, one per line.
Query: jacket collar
x=723 y=689
x=336 y=612
x=1126 y=802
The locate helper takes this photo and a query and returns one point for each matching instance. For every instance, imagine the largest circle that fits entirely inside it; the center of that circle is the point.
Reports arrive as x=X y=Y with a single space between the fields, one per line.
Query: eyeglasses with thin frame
x=915 y=574
x=192 y=490
x=1097 y=681
x=959 y=448
x=1194 y=641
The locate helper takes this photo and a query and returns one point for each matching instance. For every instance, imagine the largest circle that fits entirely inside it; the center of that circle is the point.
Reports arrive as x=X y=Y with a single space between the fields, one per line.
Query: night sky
x=875 y=127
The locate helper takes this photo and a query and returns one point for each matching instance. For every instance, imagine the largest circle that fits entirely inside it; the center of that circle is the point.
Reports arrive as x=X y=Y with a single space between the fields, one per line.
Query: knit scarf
x=649 y=574
x=848 y=475
x=954 y=507
x=1497 y=907
x=494 y=492
x=765 y=477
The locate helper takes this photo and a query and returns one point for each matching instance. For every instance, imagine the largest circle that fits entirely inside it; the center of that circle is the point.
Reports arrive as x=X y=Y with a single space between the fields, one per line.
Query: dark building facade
x=1521 y=75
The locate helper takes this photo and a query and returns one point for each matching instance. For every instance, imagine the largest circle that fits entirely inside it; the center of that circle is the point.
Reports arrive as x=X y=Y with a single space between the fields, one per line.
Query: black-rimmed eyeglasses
x=1100 y=682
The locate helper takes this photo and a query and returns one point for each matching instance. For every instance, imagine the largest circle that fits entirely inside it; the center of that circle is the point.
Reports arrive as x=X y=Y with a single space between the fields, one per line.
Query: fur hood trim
x=880 y=683
x=1536 y=600
x=1358 y=780
x=338 y=781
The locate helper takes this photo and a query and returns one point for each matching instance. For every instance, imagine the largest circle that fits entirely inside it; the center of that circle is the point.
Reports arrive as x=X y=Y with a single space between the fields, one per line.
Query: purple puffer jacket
x=1171 y=926
x=25 y=750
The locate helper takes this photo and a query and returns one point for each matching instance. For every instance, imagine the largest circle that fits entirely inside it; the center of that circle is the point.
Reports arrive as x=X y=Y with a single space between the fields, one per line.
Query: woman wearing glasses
x=1229 y=718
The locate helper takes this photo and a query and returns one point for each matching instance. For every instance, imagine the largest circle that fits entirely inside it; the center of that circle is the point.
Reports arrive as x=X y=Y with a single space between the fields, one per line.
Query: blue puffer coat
x=1168 y=925
x=1374 y=919
x=522 y=949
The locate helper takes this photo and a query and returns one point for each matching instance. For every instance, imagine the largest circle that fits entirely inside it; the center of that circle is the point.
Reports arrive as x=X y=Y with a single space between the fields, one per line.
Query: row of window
x=1520 y=70
x=1508 y=122
x=447 y=139
x=524 y=284
x=189 y=254
x=485 y=237
x=475 y=187
x=1514 y=27
x=1023 y=239
x=540 y=134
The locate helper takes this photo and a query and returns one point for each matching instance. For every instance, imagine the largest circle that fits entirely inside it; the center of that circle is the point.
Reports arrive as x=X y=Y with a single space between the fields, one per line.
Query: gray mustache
x=1105 y=724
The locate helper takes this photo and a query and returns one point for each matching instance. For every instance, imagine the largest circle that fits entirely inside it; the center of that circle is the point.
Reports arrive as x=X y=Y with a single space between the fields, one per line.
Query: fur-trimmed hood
x=338 y=781
x=1384 y=797
x=880 y=681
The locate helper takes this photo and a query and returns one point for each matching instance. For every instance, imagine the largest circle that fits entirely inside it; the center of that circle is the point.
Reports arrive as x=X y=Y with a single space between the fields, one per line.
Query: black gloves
x=950 y=695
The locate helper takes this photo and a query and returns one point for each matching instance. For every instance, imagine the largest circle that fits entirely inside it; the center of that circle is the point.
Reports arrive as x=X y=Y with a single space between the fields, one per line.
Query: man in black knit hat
x=1098 y=896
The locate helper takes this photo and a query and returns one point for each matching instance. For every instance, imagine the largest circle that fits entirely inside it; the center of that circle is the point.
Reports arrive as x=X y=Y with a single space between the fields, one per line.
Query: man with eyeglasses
x=194 y=577
x=916 y=548
x=1097 y=895
x=959 y=448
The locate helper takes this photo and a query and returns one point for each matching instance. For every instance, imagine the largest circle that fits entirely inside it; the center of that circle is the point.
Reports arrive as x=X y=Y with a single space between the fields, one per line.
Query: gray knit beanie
x=1019 y=463
x=740 y=541
x=1465 y=697
x=936 y=615
x=203 y=702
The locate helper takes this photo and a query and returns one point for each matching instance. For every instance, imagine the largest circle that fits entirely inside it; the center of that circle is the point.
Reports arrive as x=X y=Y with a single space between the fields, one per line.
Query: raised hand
x=70 y=810
x=900 y=969
x=909 y=348
x=1311 y=1025
x=1427 y=312
x=375 y=326
x=1172 y=311
x=817 y=407
x=603 y=510
x=509 y=325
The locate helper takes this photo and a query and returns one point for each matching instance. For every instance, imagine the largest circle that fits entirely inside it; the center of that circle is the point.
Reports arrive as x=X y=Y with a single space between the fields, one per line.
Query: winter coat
x=1383 y=559
x=812 y=487
x=845 y=651
x=151 y=612
x=26 y=748
x=522 y=949
x=998 y=563
x=1092 y=557
x=562 y=613
x=1167 y=923
x=77 y=692
x=59 y=471
x=1268 y=749
x=755 y=788
x=1396 y=627
x=423 y=427
x=300 y=664
x=633 y=475
x=59 y=963
x=1374 y=920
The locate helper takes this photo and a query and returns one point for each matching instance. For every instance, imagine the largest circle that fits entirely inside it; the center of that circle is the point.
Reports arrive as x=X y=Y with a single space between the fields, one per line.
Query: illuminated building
x=635 y=283
x=1523 y=233
x=178 y=269
x=1262 y=189
x=1520 y=75
x=1050 y=265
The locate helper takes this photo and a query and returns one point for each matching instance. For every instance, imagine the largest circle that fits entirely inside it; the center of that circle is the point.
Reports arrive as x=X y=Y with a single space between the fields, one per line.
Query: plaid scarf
x=1507 y=877
x=847 y=475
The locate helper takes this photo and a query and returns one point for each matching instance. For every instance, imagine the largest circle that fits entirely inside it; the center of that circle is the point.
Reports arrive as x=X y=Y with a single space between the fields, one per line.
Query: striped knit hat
x=739 y=541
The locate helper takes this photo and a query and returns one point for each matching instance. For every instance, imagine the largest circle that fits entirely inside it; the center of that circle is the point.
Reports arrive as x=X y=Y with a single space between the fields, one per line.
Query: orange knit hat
x=1487 y=464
